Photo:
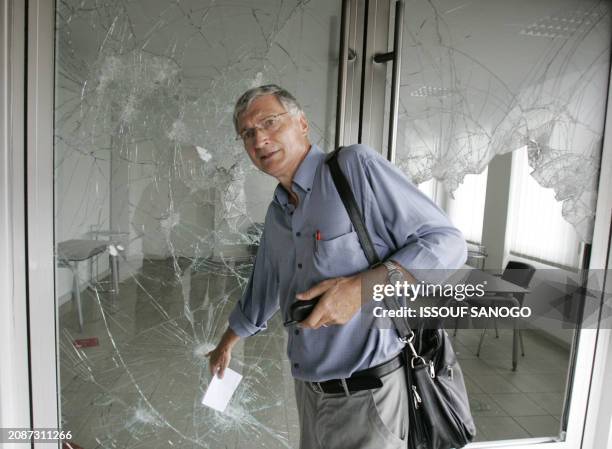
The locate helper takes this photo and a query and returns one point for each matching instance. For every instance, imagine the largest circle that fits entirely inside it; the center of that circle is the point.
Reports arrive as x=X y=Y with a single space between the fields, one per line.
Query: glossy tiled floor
x=142 y=385
x=525 y=403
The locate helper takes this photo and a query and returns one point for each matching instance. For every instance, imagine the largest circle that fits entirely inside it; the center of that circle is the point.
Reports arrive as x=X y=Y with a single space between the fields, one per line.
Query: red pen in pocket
x=317 y=238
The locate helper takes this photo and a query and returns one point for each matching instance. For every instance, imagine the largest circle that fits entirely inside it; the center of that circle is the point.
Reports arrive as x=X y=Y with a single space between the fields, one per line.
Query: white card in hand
x=220 y=391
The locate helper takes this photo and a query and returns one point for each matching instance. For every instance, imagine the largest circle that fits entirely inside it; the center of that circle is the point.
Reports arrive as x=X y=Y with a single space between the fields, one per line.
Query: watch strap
x=391 y=266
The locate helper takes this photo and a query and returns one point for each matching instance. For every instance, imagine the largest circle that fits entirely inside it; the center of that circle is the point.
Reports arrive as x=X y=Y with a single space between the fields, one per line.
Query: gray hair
x=283 y=96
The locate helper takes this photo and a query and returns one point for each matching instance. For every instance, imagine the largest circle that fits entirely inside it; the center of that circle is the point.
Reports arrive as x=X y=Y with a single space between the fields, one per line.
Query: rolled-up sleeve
x=428 y=245
x=259 y=300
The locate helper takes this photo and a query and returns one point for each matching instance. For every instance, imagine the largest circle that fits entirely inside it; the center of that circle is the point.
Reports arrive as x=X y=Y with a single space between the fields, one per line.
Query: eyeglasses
x=268 y=124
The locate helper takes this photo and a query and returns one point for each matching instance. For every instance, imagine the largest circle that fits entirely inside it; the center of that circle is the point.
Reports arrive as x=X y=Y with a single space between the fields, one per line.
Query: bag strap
x=348 y=199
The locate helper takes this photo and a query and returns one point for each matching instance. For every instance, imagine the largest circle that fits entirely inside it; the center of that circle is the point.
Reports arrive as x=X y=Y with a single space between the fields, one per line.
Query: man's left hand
x=340 y=301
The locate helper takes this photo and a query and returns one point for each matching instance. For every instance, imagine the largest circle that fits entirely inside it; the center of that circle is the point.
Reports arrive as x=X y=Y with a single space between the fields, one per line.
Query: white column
x=494 y=229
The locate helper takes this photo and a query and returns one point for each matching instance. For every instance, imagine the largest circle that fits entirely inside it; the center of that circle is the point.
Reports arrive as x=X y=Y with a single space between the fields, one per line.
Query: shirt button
x=298 y=233
x=299 y=265
x=297 y=332
x=296 y=365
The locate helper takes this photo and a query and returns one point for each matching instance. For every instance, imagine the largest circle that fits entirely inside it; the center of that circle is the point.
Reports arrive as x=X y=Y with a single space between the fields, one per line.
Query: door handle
x=346 y=54
x=396 y=57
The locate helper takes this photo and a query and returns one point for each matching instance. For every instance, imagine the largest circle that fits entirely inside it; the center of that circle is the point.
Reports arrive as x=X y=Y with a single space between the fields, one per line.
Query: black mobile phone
x=300 y=310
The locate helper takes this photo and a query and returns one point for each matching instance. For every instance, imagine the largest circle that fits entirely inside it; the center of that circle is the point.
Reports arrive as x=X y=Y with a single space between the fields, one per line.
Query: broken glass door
x=158 y=211
x=500 y=119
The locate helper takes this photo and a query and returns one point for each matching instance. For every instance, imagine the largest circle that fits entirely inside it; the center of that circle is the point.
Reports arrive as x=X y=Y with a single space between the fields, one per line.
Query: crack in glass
x=146 y=159
x=471 y=92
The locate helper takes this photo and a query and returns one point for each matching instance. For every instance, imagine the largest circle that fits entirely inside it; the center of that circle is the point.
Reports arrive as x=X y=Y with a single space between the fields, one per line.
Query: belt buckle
x=316 y=386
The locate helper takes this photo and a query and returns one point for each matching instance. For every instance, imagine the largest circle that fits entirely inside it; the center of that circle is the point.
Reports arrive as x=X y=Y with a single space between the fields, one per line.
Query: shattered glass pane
x=158 y=211
x=484 y=78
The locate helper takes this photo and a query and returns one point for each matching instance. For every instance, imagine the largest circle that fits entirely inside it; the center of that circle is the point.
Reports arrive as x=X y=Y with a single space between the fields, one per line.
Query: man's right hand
x=222 y=354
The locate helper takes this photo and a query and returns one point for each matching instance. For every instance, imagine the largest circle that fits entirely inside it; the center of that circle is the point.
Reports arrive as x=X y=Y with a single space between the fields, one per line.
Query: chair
x=476 y=255
x=518 y=273
x=71 y=252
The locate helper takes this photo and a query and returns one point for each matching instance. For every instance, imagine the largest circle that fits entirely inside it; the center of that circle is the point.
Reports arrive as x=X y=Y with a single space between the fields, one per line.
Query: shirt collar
x=304 y=176
x=305 y=173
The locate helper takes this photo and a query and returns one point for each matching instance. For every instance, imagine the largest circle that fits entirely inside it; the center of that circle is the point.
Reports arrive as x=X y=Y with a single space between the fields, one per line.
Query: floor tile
x=500 y=428
x=551 y=402
x=536 y=382
x=517 y=404
x=477 y=367
x=540 y=426
x=482 y=404
x=471 y=386
x=495 y=384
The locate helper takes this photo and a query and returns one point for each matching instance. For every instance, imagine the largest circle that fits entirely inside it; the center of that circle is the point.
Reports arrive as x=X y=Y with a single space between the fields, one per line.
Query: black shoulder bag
x=439 y=410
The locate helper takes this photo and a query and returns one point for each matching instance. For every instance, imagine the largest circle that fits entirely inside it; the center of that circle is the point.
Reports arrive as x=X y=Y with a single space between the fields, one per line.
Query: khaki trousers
x=367 y=419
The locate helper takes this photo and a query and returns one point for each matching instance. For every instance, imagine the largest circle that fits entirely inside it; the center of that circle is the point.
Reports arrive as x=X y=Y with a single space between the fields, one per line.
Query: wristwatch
x=394 y=272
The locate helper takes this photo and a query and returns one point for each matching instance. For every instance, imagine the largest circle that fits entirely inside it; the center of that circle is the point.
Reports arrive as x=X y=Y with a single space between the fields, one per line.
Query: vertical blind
x=536 y=227
x=466 y=210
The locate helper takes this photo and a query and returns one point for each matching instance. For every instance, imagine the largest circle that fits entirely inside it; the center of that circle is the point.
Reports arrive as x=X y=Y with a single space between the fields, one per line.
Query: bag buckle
x=417 y=358
x=407 y=339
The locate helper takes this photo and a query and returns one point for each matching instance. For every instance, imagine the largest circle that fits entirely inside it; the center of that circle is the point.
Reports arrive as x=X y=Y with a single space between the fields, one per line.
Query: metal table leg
x=515 y=337
x=76 y=293
x=113 y=260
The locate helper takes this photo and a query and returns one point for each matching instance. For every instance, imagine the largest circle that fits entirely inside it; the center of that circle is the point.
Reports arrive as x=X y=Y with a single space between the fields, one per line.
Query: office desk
x=495 y=285
x=71 y=252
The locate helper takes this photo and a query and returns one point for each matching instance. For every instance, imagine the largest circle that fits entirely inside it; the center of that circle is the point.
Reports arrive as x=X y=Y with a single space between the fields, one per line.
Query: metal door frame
x=14 y=380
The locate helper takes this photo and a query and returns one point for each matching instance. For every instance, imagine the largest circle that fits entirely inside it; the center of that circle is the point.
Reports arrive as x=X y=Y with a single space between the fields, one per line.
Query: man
x=350 y=390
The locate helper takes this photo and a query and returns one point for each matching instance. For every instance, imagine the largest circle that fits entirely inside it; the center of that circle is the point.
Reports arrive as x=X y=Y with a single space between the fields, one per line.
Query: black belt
x=366 y=379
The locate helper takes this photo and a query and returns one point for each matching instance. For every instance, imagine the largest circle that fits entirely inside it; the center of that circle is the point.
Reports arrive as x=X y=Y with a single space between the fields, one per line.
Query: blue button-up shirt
x=404 y=225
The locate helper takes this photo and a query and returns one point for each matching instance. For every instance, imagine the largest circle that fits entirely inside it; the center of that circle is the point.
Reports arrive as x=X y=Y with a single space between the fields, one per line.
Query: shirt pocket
x=340 y=256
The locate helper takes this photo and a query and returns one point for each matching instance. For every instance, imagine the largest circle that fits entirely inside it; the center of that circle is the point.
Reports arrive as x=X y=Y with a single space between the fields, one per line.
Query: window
x=466 y=210
x=536 y=225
